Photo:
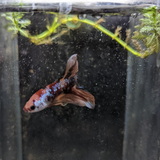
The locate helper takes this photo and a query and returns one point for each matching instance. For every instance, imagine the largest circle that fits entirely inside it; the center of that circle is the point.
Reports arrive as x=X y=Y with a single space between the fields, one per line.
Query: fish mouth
x=27 y=109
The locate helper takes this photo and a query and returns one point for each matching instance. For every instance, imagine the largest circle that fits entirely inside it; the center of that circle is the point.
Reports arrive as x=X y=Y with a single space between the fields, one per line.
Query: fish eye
x=32 y=107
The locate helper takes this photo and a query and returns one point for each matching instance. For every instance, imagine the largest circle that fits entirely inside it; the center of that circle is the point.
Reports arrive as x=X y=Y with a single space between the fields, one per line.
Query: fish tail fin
x=77 y=97
x=71 y=67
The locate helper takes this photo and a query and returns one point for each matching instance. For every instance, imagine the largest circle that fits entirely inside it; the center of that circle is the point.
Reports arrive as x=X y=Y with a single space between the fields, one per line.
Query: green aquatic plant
x=16 y=22
x=148 y=32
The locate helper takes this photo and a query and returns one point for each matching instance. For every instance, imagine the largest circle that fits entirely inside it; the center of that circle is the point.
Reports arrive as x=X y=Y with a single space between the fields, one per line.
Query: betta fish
x=61 y=92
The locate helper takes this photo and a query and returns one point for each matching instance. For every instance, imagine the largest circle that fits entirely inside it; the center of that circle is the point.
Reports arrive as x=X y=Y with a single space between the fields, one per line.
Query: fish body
x=61 y=92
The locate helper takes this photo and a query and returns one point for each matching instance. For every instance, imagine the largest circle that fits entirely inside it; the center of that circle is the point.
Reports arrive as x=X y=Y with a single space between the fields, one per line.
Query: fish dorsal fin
x=71 y=67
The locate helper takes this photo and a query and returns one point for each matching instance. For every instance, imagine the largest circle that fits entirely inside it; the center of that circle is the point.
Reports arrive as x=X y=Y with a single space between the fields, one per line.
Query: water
x=125 y=121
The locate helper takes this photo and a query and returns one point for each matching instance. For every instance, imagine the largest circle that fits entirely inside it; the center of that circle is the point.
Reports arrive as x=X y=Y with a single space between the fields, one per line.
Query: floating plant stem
x=150 y=40
x=40 y=37
x=107 y=32
x=94 y=24
x=50 y=39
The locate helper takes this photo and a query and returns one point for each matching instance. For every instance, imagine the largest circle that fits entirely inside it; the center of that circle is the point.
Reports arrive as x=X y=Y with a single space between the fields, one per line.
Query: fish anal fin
x=64 y=99
x=64 y=104
x=76 y=99
x=86 y=96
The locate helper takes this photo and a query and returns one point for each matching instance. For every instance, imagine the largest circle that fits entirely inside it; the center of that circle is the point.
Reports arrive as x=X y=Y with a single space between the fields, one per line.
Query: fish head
x=36 y=103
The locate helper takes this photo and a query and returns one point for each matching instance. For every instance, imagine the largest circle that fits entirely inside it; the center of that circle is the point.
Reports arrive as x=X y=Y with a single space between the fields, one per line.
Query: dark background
x=73 y=132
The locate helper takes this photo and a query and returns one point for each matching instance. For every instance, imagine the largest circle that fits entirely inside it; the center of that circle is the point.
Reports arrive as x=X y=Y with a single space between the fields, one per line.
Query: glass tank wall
x=118 y=66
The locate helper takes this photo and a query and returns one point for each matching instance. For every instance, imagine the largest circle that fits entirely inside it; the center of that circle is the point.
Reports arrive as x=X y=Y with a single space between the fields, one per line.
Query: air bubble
x=82 y=16
x=65 y=8
x=134 y=15
x=98 y=17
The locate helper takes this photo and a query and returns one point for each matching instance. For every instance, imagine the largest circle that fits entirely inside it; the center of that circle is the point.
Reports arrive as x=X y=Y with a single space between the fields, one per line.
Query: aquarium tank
x=79 y=80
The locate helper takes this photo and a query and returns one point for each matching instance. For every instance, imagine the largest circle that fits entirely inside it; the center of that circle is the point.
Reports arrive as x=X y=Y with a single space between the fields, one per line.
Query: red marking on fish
x=61 y=92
